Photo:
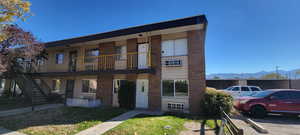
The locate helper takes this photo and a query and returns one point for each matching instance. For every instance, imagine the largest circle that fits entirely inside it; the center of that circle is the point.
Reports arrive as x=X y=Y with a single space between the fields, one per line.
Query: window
x=245 y=89
x=121 y=52
x=281 y=95
x=56 y=85
x=168 y=87
x=255 y=89
x=90 y=55
x=295 y=95
x=236 y=89
x=59 y=58
x=175 y=88
x=89 y=86
x=181 y=88
x=229 y=88
x=176 y=47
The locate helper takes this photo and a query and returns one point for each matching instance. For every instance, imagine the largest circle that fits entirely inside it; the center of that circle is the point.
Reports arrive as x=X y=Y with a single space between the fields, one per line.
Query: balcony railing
x=129 y=61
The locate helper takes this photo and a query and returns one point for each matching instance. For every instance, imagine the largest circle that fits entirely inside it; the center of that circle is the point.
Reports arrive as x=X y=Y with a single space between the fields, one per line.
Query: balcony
x=132 y=62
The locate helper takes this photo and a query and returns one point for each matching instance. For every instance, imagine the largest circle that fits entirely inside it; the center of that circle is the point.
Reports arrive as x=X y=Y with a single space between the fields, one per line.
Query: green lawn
x=154 y=125
x=150 y=125
x=61 y=121
x=13 y=103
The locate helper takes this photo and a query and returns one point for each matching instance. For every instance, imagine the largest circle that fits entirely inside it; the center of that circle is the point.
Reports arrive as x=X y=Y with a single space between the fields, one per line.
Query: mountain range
x=286 y=73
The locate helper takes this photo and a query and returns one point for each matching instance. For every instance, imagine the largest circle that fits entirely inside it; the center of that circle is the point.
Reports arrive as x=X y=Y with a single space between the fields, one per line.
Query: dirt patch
x=193 y=128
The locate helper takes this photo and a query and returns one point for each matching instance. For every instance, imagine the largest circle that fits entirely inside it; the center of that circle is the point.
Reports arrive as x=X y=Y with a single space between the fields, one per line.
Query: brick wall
x=104 y=91
x=196 y=39
x=155 y=79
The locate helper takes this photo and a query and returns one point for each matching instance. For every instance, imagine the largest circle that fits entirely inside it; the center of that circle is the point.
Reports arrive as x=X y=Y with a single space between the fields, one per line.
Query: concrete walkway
x=4 y=131
x=28 y=109
x=105 y=126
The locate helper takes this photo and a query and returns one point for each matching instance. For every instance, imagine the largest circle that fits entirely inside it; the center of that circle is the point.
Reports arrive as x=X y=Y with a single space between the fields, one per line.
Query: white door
x=142 y=88
x=116 y=88
x=142 y=56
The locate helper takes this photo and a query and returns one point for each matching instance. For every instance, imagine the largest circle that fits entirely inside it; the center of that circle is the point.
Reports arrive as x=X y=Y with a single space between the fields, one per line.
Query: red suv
x=270 y=101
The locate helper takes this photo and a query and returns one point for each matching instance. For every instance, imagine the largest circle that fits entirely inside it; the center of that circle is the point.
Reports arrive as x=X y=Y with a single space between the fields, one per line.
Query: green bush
x=213 y=100
x=126 y=95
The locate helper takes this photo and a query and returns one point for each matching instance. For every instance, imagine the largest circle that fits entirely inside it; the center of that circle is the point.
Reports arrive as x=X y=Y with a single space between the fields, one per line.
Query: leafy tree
x=10 y=11
x=273 y=76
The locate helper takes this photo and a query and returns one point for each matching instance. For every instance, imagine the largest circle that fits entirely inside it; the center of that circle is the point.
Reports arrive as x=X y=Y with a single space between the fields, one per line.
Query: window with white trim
x=175 y=88
x=89 y=86
x=176 y=47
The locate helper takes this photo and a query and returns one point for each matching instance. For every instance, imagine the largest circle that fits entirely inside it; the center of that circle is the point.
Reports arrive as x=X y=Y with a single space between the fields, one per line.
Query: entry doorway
x=116 y=87
x=142 y=90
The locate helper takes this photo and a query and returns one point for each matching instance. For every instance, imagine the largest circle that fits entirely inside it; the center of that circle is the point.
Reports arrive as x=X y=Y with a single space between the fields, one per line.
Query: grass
x=168 y=124
x=13 y=103
x=149 y=125
x=60 y=121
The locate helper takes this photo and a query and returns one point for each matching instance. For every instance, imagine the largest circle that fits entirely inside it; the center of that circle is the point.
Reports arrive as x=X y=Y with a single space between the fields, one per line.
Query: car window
x=235 y=89
x=281 y=95
x=245 y=89
x=229 y=88
x=255 y=89
x=295 y=95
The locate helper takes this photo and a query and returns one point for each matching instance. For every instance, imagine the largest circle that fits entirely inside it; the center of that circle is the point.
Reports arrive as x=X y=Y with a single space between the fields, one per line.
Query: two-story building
x=165 y=59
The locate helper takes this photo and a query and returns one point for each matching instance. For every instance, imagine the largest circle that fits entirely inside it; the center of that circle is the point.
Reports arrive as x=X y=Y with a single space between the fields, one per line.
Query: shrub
x=213 y=100
x=126 y=95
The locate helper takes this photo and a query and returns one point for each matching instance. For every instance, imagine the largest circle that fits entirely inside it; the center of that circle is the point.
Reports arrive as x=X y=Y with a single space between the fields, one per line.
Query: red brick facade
x=155 y=79
x=196 y=59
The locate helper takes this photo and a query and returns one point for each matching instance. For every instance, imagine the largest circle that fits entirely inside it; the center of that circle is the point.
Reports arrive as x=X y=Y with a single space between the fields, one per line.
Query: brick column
x=105 y=81
x=155 y=79
x=131 y=48
x=104 y=91
x=196 y=59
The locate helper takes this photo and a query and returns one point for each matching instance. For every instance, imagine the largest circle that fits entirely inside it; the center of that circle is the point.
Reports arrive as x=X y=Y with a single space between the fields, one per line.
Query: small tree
x=273 y=76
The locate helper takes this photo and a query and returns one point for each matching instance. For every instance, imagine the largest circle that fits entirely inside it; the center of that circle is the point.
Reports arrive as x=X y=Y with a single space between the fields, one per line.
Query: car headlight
x=244 y=101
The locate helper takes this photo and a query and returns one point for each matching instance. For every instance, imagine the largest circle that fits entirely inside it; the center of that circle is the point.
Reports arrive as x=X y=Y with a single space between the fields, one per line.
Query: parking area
x=280 y=125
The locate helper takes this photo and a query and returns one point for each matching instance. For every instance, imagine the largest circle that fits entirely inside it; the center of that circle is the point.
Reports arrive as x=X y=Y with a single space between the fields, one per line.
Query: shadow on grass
x=71 y=119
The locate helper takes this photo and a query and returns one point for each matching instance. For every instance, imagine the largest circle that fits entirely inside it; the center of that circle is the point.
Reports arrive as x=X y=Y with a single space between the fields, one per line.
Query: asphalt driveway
x=280 y=125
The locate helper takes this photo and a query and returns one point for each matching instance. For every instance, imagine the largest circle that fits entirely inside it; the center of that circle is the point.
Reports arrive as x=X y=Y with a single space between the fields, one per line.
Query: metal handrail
x=229 y=127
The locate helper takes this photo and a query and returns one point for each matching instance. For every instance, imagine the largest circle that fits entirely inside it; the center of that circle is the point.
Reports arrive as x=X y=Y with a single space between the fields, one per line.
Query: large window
x=89 y=86
x=175 y=88
x=176 y=47
x=56 y=85
x=59 y=58
x=90 y=55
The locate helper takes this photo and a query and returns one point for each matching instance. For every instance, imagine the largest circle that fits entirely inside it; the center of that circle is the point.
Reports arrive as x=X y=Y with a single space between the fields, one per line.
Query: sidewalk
x=28 y=109
x=4 y=131
x=105 y=126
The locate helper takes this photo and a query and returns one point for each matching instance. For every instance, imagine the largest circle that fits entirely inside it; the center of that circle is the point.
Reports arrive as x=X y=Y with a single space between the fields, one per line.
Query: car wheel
x=258 y=111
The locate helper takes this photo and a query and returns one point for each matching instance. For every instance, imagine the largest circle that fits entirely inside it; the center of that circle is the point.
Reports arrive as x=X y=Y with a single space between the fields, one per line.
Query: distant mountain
x=289 y=74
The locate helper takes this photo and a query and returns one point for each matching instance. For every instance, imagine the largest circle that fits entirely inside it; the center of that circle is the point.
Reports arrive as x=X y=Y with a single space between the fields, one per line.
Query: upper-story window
x=59 y=58
x=90 y=55
x=121 y=52
x=176 y=47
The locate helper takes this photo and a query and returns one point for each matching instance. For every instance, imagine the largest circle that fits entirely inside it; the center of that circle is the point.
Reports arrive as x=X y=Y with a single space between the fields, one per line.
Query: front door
x=70 y=88
x=72 y=61
x=142 y=56
x=142 y=88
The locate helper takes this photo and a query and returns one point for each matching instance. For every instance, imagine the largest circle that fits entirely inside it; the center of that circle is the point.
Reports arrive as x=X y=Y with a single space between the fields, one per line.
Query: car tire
x=258 y=111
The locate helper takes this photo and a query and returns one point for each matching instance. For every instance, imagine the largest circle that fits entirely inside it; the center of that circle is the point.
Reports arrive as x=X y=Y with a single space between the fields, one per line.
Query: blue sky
x=242 y=36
